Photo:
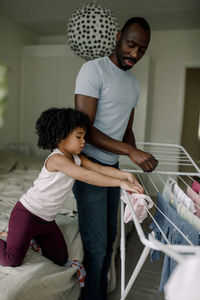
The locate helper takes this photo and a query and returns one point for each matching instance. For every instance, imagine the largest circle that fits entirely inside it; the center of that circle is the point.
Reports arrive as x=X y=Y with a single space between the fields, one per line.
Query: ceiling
x=50 y=17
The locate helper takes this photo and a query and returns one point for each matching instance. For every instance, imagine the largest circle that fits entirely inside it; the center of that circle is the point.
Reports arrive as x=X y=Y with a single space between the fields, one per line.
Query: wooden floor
x=146 y=285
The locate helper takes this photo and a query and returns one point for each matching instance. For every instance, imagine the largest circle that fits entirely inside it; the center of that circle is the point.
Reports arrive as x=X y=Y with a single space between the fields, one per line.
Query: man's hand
x=144 y=160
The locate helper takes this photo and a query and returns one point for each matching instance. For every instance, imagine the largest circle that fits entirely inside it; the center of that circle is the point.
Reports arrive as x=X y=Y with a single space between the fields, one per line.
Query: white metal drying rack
x=170 y=158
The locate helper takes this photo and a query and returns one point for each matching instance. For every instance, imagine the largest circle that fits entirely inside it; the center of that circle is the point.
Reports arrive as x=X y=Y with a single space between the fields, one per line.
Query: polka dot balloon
x=91 y=31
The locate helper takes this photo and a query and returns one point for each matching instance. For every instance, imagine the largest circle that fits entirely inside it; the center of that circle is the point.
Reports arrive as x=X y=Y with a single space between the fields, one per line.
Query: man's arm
x=129 y=137
x=88 y=105
x=127 y=147
x=144 y=160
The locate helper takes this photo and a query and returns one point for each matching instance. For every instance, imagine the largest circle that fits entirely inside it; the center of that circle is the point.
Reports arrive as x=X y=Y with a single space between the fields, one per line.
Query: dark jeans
x=97 y=211
x=24 y=226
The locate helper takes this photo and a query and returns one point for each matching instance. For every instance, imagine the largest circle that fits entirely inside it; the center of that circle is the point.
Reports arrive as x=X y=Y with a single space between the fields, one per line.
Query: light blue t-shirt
x=117 y=92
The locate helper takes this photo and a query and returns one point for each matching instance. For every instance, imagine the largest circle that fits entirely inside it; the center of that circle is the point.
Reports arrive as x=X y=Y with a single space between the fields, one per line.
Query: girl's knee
x=59 y=260
x=11 y=263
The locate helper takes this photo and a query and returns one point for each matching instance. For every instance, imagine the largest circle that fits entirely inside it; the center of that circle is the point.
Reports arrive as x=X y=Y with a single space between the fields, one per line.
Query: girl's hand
x=130 y=187
x=131 y=178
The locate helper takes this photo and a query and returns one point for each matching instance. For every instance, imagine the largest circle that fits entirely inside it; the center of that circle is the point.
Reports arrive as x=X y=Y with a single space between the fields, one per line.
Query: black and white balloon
x=91 y=31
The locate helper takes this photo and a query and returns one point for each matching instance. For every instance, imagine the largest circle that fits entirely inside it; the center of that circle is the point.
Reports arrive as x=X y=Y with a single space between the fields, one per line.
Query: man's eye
x=78 y=137
x=131 y=45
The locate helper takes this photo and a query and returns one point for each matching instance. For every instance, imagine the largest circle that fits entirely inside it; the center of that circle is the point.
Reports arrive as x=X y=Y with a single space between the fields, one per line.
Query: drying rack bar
x=173 y=251
x=164 y=172
x=169 y=156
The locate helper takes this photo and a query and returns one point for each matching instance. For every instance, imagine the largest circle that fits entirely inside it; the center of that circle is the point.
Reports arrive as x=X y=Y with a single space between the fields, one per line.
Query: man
x=108 y=93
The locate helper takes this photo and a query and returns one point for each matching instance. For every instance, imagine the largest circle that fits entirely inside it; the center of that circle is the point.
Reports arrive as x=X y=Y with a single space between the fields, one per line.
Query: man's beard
x=120 y=60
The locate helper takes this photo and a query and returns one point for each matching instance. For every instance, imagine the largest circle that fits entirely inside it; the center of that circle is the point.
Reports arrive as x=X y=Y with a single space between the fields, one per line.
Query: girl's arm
x=110 y=171
x=65 y=165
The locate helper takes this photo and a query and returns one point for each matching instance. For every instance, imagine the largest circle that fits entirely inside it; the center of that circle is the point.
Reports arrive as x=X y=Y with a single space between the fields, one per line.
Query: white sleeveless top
x=49 y=191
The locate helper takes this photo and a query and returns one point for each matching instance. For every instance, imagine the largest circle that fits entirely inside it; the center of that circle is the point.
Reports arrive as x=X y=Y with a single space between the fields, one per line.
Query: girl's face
x=74 y=142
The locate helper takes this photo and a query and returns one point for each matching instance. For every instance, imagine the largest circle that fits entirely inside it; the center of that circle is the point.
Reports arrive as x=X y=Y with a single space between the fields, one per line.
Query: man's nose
x=134 y=53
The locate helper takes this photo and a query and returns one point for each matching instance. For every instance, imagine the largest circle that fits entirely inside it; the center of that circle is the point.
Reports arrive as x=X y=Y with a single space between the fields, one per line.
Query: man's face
x=131 y=46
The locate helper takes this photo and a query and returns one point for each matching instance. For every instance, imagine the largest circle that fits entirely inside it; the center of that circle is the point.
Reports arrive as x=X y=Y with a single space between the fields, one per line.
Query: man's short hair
x=143 y=23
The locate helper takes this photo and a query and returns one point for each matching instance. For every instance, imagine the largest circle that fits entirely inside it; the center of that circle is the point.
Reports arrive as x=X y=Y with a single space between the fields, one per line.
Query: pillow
x=8 y=161
x=30 y=162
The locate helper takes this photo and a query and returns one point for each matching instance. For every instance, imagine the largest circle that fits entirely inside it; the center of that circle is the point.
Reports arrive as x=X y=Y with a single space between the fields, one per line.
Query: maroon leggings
x=24 y=226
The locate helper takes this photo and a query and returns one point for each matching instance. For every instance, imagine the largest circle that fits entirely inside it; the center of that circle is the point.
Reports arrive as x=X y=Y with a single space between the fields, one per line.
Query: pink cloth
x=196 y=187
x=140 y=204
x=195 y=198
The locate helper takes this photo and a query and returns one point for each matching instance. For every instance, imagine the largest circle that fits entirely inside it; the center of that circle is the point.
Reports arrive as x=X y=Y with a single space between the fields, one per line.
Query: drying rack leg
x=122 y=250
x=136 y=271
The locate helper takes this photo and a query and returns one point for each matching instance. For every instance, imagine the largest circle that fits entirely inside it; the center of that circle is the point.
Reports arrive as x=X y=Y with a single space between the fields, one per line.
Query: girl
x=33 y=217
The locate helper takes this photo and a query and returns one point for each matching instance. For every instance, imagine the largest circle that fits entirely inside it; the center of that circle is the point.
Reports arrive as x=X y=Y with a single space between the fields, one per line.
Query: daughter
x=33 y=217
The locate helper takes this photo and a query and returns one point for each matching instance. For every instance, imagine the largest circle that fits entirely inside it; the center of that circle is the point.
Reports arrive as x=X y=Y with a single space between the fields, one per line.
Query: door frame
x=181 y=100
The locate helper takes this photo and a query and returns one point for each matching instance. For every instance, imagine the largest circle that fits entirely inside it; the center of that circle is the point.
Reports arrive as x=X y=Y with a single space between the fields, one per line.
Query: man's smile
x=130 y=61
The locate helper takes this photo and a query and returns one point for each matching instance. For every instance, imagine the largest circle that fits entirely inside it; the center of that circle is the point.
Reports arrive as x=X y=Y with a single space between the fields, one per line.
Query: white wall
x=170 y=51
x=12 y=39
x=48 y=75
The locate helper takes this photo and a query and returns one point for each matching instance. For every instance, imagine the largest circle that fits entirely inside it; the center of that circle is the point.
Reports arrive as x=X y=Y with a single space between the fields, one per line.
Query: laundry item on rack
x=195 y=198
x=196 y=187
x=188 y=216
x=183 y=284
x=169 y=196
x=174 y=195
x=173 y=235
x=140 y=204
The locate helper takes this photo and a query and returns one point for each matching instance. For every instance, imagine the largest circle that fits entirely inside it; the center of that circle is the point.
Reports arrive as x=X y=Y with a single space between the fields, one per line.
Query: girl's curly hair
x=55 y=124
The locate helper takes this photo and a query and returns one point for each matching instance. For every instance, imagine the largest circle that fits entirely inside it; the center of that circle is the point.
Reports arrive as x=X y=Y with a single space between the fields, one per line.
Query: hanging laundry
x=172 y=234
x=195 y=198
x=174 y=195
x=196 y=187
x=188 y=216
x=140 y=204
x=169 y=196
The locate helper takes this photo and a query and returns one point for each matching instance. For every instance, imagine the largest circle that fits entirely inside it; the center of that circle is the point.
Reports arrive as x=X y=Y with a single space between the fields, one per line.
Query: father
x=108 y=93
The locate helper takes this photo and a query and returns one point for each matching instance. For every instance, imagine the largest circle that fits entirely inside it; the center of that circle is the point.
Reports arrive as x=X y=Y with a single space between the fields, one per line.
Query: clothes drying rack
x=174 y=160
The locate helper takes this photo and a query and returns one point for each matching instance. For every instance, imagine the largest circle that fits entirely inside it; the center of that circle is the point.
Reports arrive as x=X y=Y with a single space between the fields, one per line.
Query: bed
x=39 y=278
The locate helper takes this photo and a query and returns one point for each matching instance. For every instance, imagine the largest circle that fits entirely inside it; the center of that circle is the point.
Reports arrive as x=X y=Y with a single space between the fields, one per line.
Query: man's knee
x=95 y=258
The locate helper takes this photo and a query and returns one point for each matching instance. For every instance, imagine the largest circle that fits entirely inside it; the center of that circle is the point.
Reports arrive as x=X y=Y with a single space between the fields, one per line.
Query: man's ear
x=118 y=36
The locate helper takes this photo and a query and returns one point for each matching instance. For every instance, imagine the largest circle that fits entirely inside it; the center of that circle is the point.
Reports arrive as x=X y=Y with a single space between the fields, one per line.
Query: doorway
x=190 y=138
